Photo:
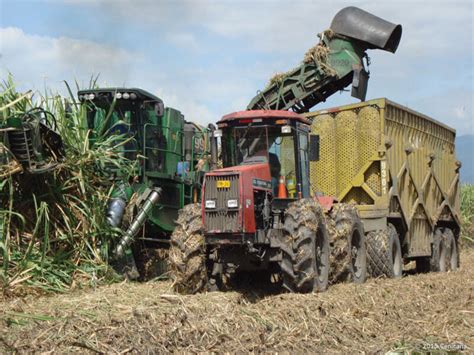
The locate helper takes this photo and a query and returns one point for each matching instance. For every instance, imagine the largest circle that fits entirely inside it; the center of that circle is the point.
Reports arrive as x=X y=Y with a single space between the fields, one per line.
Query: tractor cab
x=265 y=157
x=276 y=138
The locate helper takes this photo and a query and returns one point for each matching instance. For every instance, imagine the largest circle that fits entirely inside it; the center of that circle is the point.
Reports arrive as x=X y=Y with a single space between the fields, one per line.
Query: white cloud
x=37 y=60
x=434 y=59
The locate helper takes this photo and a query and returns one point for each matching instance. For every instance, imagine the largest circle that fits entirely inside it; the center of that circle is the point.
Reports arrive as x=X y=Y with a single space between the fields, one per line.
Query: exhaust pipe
x=151 y=198
x=213 y=141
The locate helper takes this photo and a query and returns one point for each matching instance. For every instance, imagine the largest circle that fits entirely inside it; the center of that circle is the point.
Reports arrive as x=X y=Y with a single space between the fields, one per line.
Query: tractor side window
x=282 y=161
x=228 y=149
x=303 y=160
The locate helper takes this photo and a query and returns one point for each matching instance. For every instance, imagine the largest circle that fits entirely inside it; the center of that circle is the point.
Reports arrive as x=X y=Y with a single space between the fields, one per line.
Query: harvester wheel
x=305 y=250
x=384 y=253
x=150 y=262
x=347 y=240
x=444 y=253
x=187 y=255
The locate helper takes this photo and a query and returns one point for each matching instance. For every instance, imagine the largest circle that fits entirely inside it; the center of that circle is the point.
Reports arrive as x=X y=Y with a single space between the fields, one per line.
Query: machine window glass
x=303 y=159
x=251 y=145
x=268 y=145
x=119 y=122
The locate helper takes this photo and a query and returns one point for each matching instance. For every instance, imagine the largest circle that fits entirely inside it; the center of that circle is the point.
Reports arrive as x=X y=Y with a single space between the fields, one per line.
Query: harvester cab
x=257 y=212
x=171 y=157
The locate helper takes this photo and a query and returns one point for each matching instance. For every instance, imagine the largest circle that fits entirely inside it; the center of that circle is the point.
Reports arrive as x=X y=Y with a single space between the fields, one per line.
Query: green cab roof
x=141 y=94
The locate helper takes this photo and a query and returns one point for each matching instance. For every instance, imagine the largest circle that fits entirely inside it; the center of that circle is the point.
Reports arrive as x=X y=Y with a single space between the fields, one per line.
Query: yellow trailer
x=399 y=167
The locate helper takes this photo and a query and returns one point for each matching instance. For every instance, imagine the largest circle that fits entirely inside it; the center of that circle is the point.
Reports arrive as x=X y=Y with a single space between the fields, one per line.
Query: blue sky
x=208 y=58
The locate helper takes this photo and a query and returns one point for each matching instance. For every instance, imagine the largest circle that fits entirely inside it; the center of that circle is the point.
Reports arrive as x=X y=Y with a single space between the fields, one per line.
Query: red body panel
x=246 y=204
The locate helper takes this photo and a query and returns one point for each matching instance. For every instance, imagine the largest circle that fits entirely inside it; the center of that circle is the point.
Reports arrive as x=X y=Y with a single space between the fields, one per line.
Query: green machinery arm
x=332 y=65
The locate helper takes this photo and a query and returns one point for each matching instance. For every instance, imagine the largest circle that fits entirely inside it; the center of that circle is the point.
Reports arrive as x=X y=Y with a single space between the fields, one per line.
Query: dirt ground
x=417 y=312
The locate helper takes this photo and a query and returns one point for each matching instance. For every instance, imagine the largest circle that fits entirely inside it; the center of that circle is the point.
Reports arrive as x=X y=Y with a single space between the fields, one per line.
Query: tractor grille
x=222 y=219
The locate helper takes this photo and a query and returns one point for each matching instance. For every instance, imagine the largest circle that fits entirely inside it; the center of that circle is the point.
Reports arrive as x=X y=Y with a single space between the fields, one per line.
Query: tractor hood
x=363 y=26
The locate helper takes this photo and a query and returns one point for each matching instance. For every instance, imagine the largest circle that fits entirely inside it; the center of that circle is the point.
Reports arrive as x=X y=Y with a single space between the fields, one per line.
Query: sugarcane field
x=207 y=176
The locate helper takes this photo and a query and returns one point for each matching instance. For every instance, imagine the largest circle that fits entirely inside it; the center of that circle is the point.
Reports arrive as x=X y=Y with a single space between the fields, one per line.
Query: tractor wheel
x=348 y=251
x=187 y=255
x=444 y=253
x=305 y=250
x=384 y=253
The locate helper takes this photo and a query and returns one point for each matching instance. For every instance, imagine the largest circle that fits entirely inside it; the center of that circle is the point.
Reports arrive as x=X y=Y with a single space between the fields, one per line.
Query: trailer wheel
x=453 y=252
x=444 y=254
x=348 y=250
x=305 y=250
x=187 y=255
x=384 y=253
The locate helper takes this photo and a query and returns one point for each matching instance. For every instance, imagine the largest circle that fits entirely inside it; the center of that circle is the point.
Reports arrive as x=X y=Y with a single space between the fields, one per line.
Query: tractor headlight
x=210 y=204
x=118 y=95
x=126 y=95
x=232 y=203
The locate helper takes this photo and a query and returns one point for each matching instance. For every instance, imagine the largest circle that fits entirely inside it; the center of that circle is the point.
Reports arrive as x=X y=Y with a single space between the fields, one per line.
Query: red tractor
x=258 y=214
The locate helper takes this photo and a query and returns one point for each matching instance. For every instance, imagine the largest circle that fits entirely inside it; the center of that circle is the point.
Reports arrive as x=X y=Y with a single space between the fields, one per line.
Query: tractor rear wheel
x=384 y=253
x=347 y=240
x=187 y=255
x=305 y=250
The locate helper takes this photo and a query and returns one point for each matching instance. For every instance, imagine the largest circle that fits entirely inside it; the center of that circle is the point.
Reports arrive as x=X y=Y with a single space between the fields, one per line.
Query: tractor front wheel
x=305 y=249
x=187 y=255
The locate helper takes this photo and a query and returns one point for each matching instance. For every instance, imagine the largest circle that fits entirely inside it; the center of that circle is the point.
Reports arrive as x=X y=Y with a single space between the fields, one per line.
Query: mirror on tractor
x=313 y=147
x=159 y=109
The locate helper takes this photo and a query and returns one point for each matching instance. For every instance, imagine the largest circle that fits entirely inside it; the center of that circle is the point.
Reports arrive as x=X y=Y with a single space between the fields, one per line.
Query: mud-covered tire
x=384 y=253
x=348 y=259
x=187 y=255
x=305 y=249
x=444 y=252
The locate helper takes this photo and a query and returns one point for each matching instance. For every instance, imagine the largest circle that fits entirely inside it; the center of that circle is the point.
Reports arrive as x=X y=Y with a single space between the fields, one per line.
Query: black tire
x=187 y=255
x=305 y=251
x=384 y=253
x=438 y=253
x=453 y=252
x=348 y=258
x=444 y=253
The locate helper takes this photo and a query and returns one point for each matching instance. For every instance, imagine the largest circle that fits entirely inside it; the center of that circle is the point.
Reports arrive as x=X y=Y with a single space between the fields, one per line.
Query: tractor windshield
x=254 y=145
